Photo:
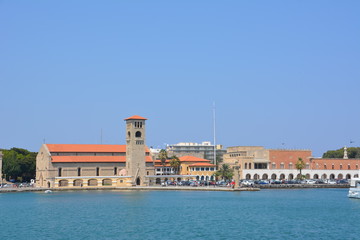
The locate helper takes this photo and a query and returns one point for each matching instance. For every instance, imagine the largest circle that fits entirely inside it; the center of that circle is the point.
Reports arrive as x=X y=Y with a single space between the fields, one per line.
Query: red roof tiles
x=86 y=148
x=202 y=165
x=135 y=117
x=192 y=159
x=97 y=159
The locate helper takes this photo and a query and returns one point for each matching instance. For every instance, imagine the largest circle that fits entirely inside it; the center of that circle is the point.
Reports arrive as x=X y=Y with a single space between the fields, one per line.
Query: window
x=115 y=171
x=97 y=171
x=59 y=172
x=249 y=165
x=340 y=166
x=333 y=167
x=79 y=171
x=197 y=169
x=281 y=165
x=291 y=165
x=138 y=134
x=273 y=165
x=325 y=167
x=349 y=167
x=245 y=165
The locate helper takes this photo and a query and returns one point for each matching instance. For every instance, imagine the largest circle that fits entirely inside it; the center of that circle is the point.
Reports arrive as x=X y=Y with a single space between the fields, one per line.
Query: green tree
x=300 y=165
x=163 y=156
x=19 y=164
x=225 y=172
x=353 y=152
x=175 y=163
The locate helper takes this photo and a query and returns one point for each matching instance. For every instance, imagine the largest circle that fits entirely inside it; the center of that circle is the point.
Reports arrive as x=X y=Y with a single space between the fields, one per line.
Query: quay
x=136 y=188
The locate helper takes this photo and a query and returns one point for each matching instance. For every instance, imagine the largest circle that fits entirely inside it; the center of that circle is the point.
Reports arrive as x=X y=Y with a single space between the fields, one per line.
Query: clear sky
x=283 y=74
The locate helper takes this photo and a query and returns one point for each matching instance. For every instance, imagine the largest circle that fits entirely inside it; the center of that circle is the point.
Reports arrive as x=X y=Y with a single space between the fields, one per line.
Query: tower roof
x=135 y=117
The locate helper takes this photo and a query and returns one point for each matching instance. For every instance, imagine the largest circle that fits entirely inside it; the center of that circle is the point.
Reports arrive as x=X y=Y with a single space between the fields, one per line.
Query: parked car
x=342 y=181
x=310 y=181
x=247 y=182
x=331 y=181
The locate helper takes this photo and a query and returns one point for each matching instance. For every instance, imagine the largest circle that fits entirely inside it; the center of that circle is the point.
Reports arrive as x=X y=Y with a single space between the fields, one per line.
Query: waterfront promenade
x=180 y=188
x=137 y=188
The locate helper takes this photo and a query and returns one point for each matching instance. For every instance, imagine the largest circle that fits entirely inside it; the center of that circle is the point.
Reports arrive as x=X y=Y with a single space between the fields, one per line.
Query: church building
x=97 y=165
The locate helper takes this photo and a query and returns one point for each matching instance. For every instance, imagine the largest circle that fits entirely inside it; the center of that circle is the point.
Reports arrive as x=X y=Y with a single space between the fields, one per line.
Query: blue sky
x=281 y=73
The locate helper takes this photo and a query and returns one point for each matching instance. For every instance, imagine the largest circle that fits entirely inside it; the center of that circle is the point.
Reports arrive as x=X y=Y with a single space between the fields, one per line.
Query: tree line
x=18 y=164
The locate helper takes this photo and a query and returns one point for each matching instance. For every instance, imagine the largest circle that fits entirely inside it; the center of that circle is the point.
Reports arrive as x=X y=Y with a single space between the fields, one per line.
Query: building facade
x=203 y=150
x=280 y=164
x=198 y=168
x=91 y=165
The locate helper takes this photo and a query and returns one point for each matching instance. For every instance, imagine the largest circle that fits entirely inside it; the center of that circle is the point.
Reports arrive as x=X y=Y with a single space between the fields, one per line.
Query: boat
x=354 y=191
x=48 y=191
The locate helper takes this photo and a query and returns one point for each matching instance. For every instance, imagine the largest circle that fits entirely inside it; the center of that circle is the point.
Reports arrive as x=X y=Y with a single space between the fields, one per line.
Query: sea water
x=267 y=214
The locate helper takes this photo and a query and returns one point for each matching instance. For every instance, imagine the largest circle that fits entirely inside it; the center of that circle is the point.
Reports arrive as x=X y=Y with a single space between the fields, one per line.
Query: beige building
x=280 y=164
x=90 y=165
x=190 y=168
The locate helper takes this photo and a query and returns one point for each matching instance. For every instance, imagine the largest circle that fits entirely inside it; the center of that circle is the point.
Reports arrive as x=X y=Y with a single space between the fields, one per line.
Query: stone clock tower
x=135 y=149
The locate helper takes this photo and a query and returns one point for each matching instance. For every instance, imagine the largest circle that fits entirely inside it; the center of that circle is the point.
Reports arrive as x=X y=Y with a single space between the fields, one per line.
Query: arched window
x=63 y=183
x=138 y=134
x=245 y=165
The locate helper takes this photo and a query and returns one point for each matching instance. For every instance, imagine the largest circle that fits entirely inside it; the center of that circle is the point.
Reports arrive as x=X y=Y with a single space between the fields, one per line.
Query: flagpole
x=214 y=129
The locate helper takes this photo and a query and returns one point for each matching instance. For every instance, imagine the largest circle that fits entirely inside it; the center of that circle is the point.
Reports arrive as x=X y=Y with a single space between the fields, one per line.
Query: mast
x=214 y=132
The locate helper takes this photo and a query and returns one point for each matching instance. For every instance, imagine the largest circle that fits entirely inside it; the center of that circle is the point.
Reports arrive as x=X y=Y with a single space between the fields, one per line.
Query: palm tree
x=163 y=157
x=300 y=165
x=225 y=172
x=175 y=163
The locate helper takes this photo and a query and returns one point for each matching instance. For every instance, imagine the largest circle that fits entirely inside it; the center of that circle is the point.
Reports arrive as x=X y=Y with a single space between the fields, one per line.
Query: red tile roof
x=192 y=159
x=88 y=148
x=135 y=117
x=202 y=165
x=98 y=159
x=76 y=159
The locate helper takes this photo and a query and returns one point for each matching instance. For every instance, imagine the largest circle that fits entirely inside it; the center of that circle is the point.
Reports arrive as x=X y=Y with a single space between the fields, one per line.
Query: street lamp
x=236 y=174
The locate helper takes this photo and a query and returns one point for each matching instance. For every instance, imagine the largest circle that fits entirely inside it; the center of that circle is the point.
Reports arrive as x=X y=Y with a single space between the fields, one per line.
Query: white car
x=331 y=181
x=310 y=181
x=247 y=183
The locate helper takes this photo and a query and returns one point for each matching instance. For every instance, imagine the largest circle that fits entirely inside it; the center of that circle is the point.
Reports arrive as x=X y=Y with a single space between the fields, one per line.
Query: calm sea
x=267 y=214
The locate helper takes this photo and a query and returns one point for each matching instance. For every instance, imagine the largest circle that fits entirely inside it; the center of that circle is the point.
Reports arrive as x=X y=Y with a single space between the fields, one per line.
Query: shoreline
x=177 y=188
